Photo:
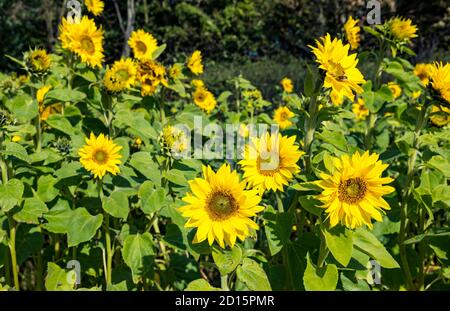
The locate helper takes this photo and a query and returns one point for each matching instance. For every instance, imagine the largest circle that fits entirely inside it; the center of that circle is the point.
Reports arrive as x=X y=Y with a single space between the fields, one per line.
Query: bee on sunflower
x=220 y=207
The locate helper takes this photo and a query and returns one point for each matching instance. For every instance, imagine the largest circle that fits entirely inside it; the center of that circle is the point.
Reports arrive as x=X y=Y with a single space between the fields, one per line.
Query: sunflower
x=151 y=74
x=220 y=207
x=402 y=28
x=204 y=99
x=16 y=138
x=94 y=6
x=440 y=80
x=353 y=189
x=84 y=39
x=270 y=162
x=422 y=71
x=38 y=60
x=287 y=85
x=342 y=76
x=282 y=116
x=360 y=110
x=440 y=115
x=336 y=98
x=121 y=76
x=194 y=63
x=176 y=71
x=396 y=90
x=174 y=139
x=197 y=83
x=46 y=111
x=352 y=31
x=100 y=155
x=143 y=44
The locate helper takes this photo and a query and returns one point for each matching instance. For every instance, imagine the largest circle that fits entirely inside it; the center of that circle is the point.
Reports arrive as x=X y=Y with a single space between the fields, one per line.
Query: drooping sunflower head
x=84 y=39
x=440 y=80
x=220 y=207
x=422 y=71
x=353 y=190
x=94 y=6
x=287 y=85
x=100 y=155
x=396 y=90
x=360 y=110
x=270 y=162
x=194 y=63
x=38 y=60
x=342 y=76
x=282 y=116
x=352 y=31
x=204 y=99
x=402 y=28
x=440 y=115
x=143 y=44
x=121 y=76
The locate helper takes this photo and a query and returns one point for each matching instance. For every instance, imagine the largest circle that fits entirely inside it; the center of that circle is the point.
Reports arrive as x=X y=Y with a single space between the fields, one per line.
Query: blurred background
x=264 y=40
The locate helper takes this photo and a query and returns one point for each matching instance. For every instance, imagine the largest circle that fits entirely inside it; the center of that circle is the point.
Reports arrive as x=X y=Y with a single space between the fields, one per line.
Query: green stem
x=109 y=250
x=12 y=250
x=310 y=129
x=224 y=282
x=370 y=124
x=7 y=267
x=279 y=202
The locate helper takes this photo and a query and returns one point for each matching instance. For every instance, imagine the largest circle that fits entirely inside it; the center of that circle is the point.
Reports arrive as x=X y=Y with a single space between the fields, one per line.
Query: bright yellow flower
x=270 y=162
x=440 y=80
x=175 y=72
x=194 y=63
x=422 y=71
x=94 y=6
x=416 y=94
x=287 y=85
x=395 y=89
x=440 y=115
x=220 y=207
x=16 y=138
x=38 y=60
x=151 y=74
x=402 y=28
x=143 y=44
x=360 y=110
x=342 y=76
x=84 y=39
x=197 y=83
x=336 y=98
x=100 y=155
x=40 y=94
x=46 y=111
x=204 y=99
x=352 y=31
x=121 y=76
x=353 y=189
x=282 y=116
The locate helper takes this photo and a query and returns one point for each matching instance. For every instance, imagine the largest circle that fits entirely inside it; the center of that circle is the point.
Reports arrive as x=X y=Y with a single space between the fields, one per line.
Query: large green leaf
x=201 y=285
x=137 y=252
x=46 y=188
x=23 y=107
x=278 y=229
x=320 y=279
x=227 y=259
x=32 y=210
x=116 y=204
x=143 y=163
x=58 y=279
x=65 y=95
x=10 y=194
x=82 y=226
x=339 y=241
x=152 y=199
x=16 y=150
x=253 y=276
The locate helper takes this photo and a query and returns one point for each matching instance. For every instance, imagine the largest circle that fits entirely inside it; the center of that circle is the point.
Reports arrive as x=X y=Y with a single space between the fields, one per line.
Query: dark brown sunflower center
x=100 y=156
x=87 y=44
x=221 y=205
x=284 y=116
x=141 y=46
x=352 y=190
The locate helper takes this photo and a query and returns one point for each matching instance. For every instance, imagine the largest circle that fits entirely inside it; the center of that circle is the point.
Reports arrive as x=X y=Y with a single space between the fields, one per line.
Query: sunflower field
x=137 y=175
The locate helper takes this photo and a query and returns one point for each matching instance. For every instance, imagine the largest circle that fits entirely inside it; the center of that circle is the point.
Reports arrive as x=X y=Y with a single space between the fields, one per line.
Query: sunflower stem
x=310 y=129
x=279 y=202
x=12 y=250
x=109 y=250
x=224 y=282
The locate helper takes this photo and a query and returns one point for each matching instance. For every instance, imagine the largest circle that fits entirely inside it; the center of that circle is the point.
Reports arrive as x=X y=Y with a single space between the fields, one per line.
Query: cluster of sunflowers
x=136 y=217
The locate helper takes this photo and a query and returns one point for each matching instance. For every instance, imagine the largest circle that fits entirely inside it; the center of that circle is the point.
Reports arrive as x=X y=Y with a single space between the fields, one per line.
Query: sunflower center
x=337 y=71
x=123 y=74
x=221 y=205
x=268 y=163
x=87 y=44
x=100 y=156
x=200 y=97
x=352 y=190
x=284 y=116
x=141 y=47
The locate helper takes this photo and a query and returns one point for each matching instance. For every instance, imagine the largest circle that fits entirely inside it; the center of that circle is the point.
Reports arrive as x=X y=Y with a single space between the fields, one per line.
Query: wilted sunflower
x=440 y=115
x=360 y=110
x=342 y=76
x=440 y=80
x=143 y=44
x=204 y=99
x=402 y=28
x=282 y=116
x=220 y=207
x=100 y=155
x=38 y=60
x=194 y=63
x=121 y=76
x=270 y=162
x=396 y=90
x=84 y=39
x=422 y=71
x=353 y=189
x=352 y=31
x=151 y=74
x=287 y=85
x=94 y=6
